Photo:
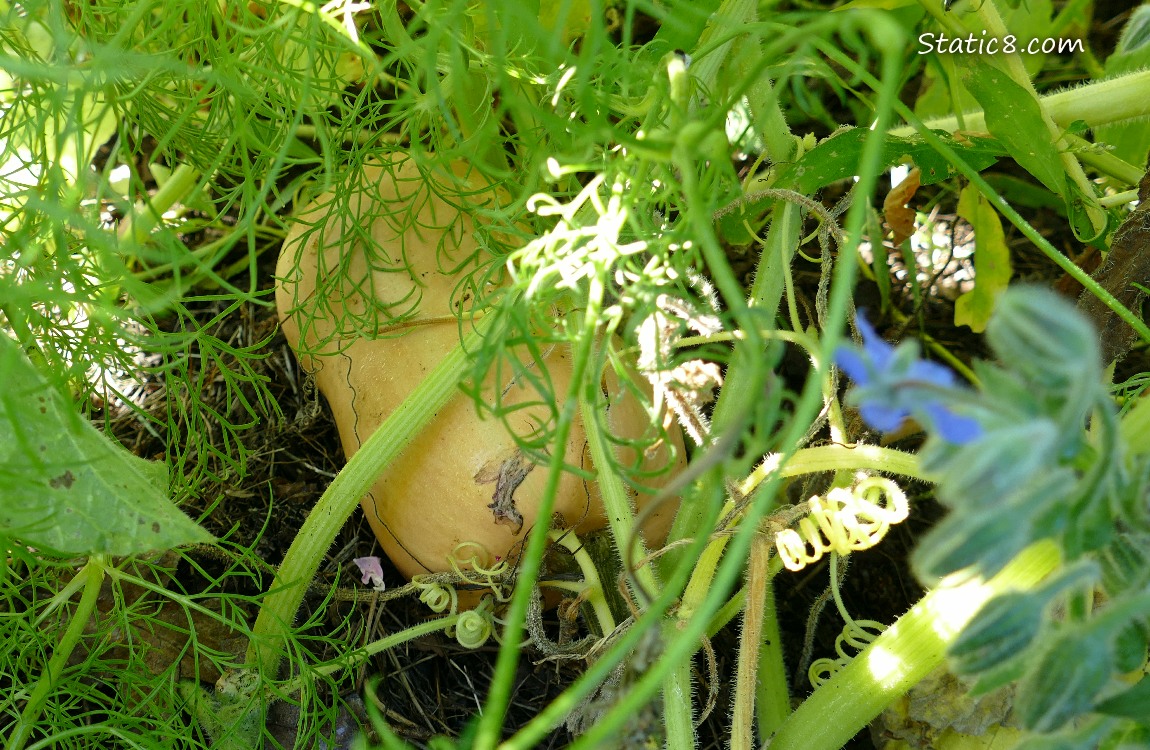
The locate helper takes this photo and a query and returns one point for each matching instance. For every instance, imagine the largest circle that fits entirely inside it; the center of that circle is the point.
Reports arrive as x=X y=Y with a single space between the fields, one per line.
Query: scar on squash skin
x=507 y=476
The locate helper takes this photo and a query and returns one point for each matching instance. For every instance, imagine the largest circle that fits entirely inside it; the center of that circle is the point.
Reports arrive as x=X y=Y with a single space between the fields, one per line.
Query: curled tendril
x=473 y=572
x=475 y=626
x=856 y=635
x=436 y=595
x=845 y=521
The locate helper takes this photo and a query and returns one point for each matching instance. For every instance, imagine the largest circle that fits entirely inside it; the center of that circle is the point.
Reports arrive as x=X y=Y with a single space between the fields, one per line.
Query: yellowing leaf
x=992 y=268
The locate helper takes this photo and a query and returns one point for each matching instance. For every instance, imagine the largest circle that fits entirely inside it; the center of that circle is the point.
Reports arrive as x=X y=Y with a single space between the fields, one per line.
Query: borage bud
x=1043 y=336
x=1064 y=682
x=1001 y=631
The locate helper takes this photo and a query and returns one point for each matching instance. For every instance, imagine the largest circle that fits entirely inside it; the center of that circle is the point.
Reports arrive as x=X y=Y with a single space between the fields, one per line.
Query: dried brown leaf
x=898 y=216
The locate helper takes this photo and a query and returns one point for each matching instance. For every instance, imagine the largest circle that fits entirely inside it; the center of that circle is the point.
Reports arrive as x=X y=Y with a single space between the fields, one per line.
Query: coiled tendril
x=845 y=521
x=438 y=596
x=856 y=635
x=438 y=591
x=473 y=572
x=475 y=626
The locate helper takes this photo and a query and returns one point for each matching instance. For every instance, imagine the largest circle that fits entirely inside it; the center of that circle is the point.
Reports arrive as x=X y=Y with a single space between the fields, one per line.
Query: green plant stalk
x=92 y=575
x=905 y=653
x=61 y=597
x=747 y=667
x=592 y=583
x=933 y=344
x=770 y=122
x=490 y=726
x=826 y=458
x=675 y=679
x=1124 y=97
x=678 y=702
x=354 y=658
x=1118 y=199
x=616 y=499
x=1104 y=161
x=890 y=40
x=742 y=384
x=337 y=503
x=773 y=705
x=571 y=698
x=731 y=14
x=727 y=612
x=766 y=295
x=137 y=226
x=336 y=24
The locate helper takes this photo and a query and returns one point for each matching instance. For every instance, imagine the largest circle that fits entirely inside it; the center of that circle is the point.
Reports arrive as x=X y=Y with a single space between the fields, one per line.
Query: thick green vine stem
x=903 y=655
x=1099 y=103
x=616 y=499
x=342 y=496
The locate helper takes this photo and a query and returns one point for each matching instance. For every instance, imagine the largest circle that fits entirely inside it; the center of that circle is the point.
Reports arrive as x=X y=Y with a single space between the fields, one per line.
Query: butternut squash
x=462 y=479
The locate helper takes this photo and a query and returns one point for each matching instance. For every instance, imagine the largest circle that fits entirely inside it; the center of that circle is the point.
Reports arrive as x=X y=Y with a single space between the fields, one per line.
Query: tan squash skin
x=436 y=495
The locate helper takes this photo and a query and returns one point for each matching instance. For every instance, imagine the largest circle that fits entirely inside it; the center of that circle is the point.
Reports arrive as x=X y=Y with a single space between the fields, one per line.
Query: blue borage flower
x=893 y=384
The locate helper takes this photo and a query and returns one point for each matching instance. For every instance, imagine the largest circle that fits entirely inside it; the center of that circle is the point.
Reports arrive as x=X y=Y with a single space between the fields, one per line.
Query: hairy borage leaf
x=67 y=487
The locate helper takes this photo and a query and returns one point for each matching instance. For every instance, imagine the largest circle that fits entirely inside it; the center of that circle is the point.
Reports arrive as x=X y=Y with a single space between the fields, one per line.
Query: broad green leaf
x=1013 y=116
x=881 y=262
x=1130 y=648
x=1024 y=193
x=65 y=486
x=992 y=269
x=837 y=158
x=941 y=93
x=1128 y=139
